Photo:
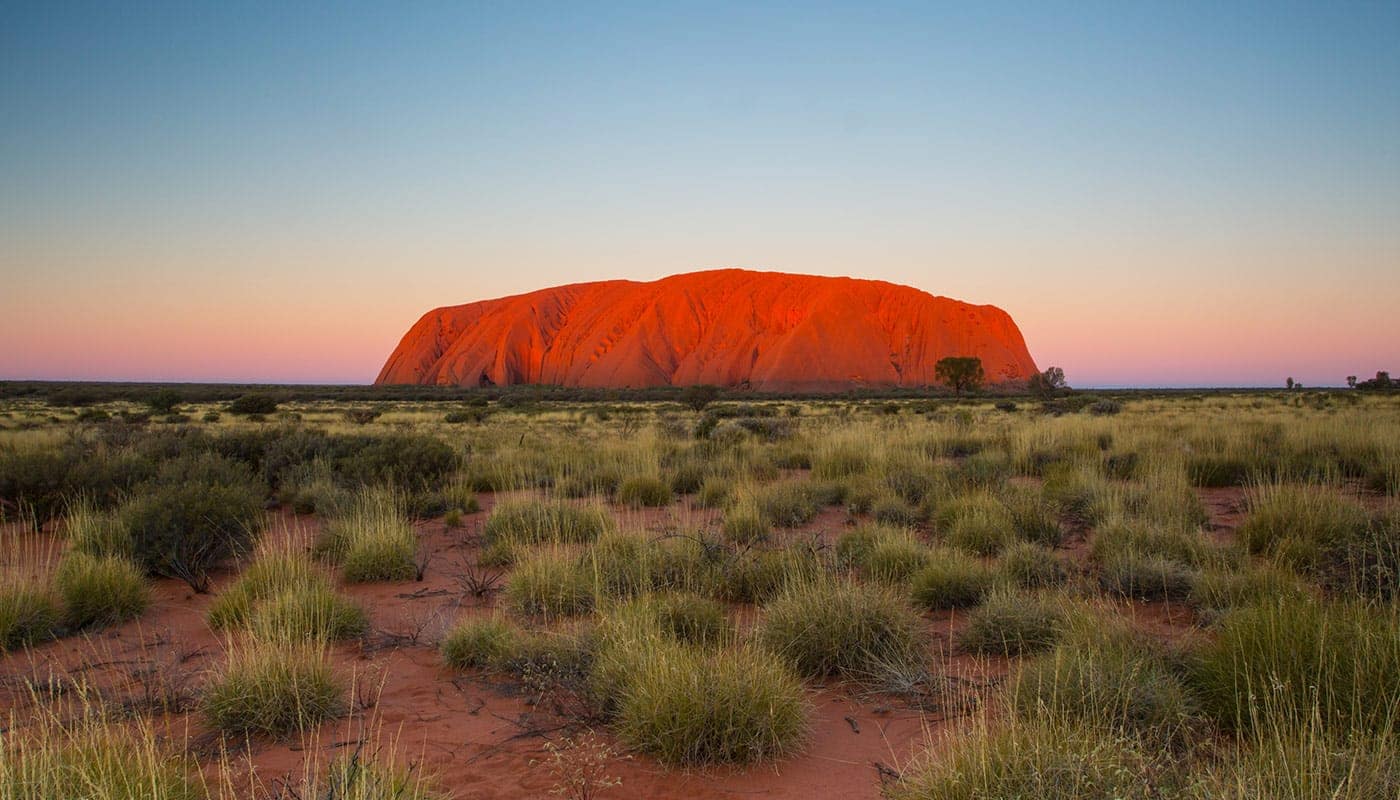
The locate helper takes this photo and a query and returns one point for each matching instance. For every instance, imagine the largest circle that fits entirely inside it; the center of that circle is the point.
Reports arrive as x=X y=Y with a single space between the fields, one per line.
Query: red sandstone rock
x=768 y=331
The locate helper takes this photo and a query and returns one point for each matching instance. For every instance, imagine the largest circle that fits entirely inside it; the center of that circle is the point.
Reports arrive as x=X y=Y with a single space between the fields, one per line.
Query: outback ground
x=1139 y=597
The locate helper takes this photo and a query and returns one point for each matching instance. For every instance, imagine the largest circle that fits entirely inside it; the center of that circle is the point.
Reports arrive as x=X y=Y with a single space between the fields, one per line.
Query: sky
x=1160 y=194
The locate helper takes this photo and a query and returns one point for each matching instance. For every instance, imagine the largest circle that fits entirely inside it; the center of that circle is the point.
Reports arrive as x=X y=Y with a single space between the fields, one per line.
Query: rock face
x=766 y=331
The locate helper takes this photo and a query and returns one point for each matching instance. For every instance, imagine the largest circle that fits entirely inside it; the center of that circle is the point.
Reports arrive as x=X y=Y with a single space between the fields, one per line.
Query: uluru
x=766 y=331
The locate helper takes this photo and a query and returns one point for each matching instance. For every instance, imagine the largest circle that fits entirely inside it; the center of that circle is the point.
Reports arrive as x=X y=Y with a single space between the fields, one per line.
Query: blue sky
x=1160 y=194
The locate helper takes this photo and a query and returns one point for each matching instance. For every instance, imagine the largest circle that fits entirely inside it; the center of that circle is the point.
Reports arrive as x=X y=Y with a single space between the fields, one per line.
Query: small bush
x=184 y=530
x=100 y=591
x=951 y=579
x=476 y=643
x=249 y=404
x=644 y=491
x=835 y=627
x=274 y=690
x=1011 y=624
x=28 y=614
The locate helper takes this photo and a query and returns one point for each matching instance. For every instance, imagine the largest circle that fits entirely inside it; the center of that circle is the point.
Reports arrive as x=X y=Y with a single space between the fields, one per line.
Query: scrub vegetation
x=1128 y=596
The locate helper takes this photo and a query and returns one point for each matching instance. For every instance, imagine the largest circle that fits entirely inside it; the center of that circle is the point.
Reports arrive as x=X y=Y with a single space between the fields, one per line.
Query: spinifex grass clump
x=688 y=705
x=275 y=569
x=951 y=579
x=29 y=613
x=789 y=504
x=100 y=591
x=883 y=553
x=309 y=612
x=530 y=522
x=1031 y=566
x=1010 y=623
x=372 y=541
x=644 y=491
x=1103 y=674
x=838 y=627
x=92 y=532
x=551 y=583
x=92 y=753
x=1305 y=526
x=482 y=642
x=273 y=689
x=977 y=523
x=756 y=576
x=674 y=691
x=1283 y=662
x=1041 y=758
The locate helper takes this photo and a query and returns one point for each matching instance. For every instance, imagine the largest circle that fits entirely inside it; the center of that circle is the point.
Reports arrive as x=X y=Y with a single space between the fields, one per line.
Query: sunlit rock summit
x=766 y=331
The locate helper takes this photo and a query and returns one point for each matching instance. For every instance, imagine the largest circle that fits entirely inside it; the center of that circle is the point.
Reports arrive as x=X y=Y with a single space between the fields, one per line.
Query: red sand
x=479 y=734
x=767 y=331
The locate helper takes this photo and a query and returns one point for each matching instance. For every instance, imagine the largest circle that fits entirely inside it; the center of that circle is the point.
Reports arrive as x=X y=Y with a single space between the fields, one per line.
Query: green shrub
x=28 y=614
x=1293 y=661
x=837 y=627
x=275 y=690
x=254 y=404
x=1012 y=624
x=184 y=530
x=644 y=491
x=100 y=591
x=691 y=706
x=951 y=579
x=478 y=643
